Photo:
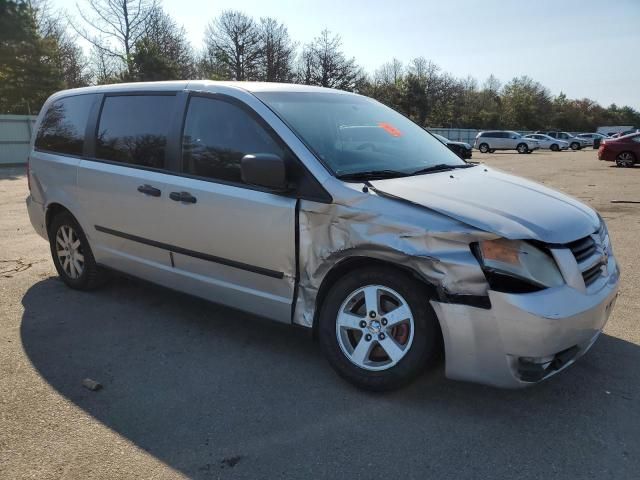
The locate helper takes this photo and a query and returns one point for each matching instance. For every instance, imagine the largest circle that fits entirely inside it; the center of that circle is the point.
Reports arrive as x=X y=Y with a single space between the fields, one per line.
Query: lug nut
x=363 y=324
x=372 y=314
x=381 y=336
x=367 y=337
x=384 y=321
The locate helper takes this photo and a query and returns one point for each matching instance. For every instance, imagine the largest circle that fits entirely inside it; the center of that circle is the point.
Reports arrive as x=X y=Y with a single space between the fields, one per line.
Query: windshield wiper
x=441 y=167
x=373 y=175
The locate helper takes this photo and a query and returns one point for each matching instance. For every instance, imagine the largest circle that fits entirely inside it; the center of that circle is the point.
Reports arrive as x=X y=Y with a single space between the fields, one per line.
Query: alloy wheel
x=375 y=327
x=625 y=159
x=69 y=251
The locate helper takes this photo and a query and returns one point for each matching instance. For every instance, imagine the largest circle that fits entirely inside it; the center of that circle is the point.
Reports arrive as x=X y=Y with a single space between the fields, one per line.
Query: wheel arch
x=52 y=210
x=350 y=264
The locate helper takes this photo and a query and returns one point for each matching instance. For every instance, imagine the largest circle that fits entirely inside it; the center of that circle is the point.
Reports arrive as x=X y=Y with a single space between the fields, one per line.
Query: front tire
x=484 y=148
x=377 y=328
x=522 y=148
x=554 y=148
x=72 y=255
x=625 y=160
x=575 y=146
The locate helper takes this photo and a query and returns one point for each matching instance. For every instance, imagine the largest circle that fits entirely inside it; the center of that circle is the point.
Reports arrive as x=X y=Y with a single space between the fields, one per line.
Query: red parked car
x=625 y=151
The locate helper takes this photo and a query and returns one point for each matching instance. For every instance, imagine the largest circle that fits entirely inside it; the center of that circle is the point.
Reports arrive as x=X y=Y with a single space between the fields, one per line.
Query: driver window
x=217 y=134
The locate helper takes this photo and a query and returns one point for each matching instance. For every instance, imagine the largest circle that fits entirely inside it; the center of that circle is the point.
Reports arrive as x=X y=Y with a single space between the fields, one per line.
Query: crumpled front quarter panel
x=359 y=224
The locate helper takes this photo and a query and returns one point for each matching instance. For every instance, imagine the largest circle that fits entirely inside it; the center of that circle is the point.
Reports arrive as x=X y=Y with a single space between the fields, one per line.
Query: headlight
x=517 y=266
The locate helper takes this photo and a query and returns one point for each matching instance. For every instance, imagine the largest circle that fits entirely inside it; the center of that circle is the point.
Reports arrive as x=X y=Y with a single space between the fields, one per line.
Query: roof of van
x=253 y=87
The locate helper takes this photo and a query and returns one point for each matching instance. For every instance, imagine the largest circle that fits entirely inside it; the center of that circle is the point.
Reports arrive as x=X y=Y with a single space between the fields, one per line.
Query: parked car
x=629 y=132
x=493 y=140
x=594 y=139
x=244 y=194
x=548 y=142
x=625 y=151
x=462 y=149
x=575 y=143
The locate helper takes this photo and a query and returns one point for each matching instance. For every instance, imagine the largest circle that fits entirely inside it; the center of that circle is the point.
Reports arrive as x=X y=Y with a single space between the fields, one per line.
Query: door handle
x=185 y=197
x=149 y=190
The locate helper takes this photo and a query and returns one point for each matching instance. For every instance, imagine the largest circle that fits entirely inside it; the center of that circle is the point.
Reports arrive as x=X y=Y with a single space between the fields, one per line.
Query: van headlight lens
x=517 y=266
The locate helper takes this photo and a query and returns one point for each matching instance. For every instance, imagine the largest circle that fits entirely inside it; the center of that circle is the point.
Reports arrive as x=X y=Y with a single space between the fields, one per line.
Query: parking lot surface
x=195 y=390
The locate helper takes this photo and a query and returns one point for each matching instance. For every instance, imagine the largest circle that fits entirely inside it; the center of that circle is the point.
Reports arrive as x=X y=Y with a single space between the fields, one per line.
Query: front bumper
x=524 y=338
x=607 y=155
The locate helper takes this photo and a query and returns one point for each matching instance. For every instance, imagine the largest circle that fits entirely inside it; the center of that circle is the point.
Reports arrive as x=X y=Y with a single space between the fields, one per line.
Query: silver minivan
x=327 y=210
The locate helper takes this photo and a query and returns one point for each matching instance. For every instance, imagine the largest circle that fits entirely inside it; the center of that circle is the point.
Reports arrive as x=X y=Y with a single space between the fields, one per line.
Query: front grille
x=589 y=253
x=591 y=274
x=583 y=248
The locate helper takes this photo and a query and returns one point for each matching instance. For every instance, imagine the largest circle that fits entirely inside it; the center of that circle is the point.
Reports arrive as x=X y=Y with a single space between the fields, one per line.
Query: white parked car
x=575 y=143
x=591 y=137
x=547 y=142
x=493 y=140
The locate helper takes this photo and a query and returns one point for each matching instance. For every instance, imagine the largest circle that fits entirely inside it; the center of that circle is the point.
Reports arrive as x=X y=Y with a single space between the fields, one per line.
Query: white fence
x=15 y=134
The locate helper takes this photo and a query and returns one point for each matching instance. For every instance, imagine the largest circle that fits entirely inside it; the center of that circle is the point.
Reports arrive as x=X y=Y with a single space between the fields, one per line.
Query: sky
x=583 y=48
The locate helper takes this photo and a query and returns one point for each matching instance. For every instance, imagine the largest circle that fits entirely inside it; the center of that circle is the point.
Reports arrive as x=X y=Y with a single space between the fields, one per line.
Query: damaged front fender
x=364 y=224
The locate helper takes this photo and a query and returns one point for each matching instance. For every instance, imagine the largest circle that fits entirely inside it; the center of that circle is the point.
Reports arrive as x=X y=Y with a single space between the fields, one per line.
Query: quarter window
x=133 y=129
x=63 y=125
x=217 y=134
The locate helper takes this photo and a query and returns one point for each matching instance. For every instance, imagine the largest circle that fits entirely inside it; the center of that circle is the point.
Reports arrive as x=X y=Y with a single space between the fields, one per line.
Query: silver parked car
x=323 y=209
x=575 y=143
x=548 y=142
x=493 y=140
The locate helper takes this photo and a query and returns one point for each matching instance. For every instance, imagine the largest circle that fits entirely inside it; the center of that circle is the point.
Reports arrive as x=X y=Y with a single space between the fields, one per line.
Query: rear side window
x=63 y=125
x=217 y=134
x=133 y=129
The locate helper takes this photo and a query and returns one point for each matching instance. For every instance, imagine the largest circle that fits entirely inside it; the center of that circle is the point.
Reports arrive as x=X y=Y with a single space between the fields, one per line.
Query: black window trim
x=173 y=151
x=320 y=196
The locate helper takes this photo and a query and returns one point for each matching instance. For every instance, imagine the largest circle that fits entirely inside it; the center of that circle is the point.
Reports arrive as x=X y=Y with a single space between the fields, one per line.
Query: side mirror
x=264 y=170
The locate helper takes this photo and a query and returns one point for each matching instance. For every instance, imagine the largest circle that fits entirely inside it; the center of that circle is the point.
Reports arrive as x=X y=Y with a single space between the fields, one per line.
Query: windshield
x=353 y=134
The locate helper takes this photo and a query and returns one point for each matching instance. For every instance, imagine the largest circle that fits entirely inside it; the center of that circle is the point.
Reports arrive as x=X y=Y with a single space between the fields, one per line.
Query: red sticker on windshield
x=390 y=129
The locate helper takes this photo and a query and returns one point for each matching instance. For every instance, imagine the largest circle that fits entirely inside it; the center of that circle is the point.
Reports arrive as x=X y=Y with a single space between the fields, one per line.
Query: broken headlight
x=516 y=266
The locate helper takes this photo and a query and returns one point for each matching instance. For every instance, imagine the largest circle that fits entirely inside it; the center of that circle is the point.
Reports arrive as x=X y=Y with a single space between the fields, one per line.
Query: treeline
x=136 y=40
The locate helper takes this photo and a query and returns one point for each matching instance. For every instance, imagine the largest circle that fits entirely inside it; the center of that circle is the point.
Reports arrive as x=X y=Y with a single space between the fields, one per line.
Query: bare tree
x=277 y=51
x=323 y=63
x=232 y=41
x=114 y=26
x=391 y=73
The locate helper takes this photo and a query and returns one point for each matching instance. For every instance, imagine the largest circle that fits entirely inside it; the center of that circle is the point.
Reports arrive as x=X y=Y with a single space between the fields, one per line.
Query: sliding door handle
x=185 y=197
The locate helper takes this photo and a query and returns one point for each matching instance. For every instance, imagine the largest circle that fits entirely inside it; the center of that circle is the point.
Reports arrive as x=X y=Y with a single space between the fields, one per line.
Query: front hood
x=494 y=201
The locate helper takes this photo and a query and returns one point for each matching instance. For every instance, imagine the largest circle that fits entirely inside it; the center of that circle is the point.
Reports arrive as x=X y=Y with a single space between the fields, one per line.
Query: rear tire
x=625 y=159
x=554 y=148
x=356 y=332
x=72 y=255
x=484 y=148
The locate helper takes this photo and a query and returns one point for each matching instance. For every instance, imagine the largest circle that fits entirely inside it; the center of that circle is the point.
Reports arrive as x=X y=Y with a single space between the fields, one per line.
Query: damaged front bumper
x=523 y=338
